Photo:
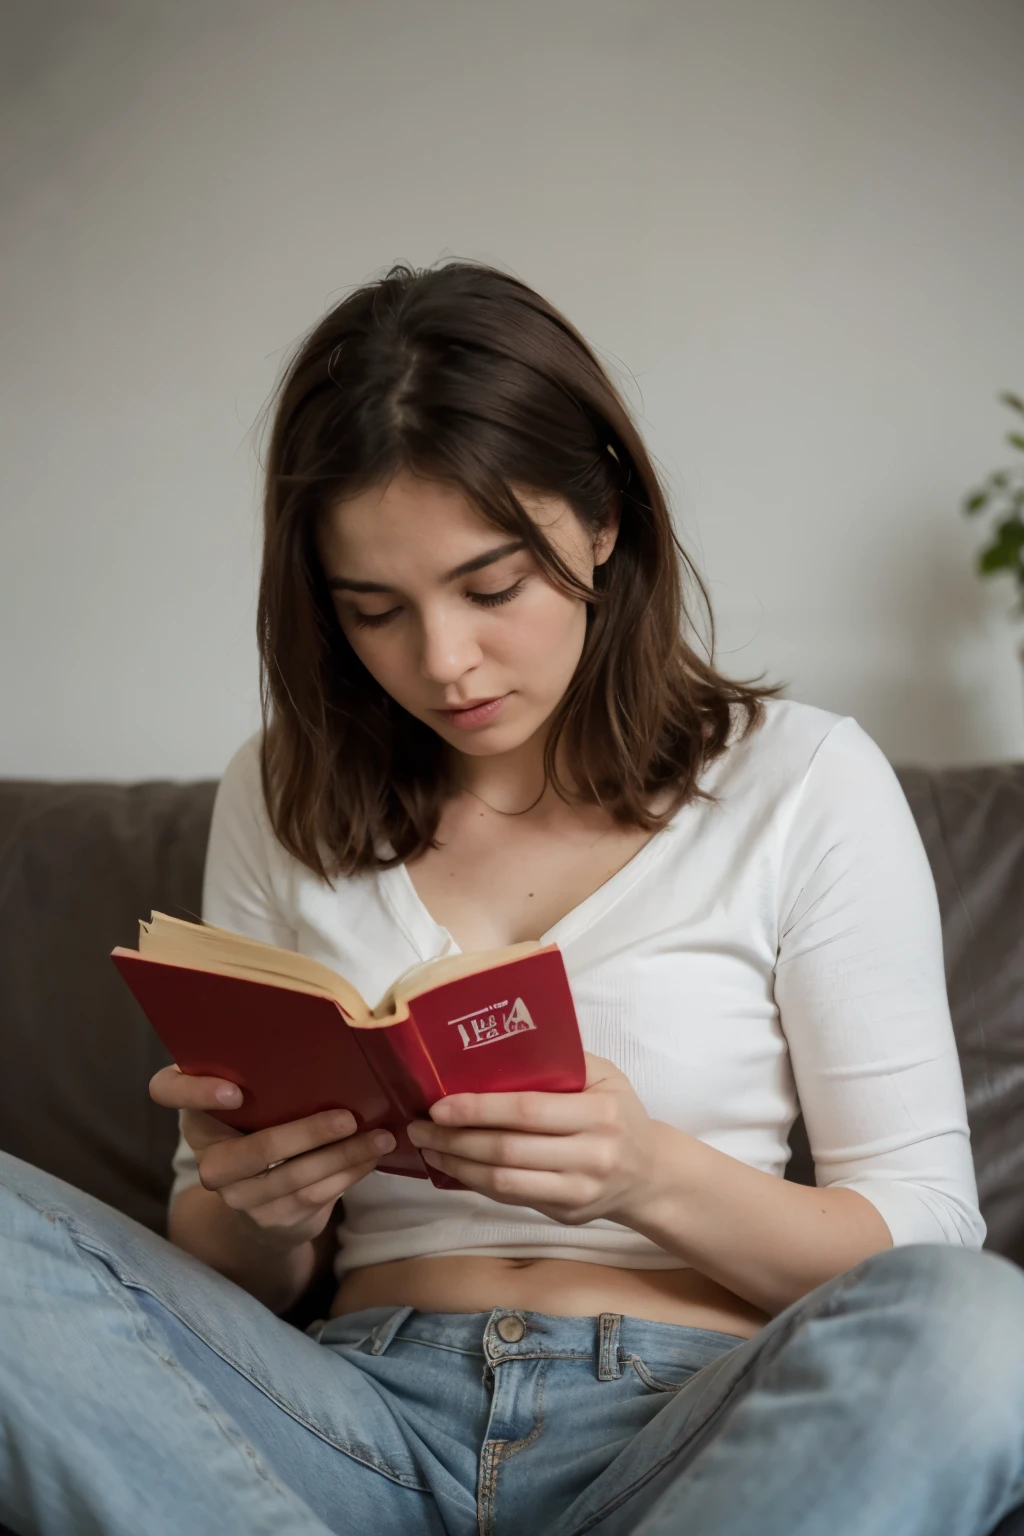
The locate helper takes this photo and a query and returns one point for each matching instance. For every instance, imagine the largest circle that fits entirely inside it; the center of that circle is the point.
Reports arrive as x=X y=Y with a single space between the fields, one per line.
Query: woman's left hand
x=572 y=1156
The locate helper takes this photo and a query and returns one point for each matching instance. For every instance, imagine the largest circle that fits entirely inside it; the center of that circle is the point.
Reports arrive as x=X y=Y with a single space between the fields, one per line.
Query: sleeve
x=238 y=886
x=861 y=992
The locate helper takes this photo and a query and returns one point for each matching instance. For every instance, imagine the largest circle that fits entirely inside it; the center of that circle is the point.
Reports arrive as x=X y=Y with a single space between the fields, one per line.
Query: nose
x=449 y=646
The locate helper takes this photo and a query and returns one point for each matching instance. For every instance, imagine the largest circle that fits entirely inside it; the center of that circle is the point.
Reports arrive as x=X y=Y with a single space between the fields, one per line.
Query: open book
x=298 y=1038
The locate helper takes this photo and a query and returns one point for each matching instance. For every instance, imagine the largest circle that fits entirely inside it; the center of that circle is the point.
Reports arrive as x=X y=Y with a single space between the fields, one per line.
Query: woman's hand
x=320 y=1158
x=573 y=1156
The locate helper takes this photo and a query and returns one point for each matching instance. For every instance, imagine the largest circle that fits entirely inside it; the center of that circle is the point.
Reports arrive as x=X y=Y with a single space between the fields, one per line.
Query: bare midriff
x=559 y=1287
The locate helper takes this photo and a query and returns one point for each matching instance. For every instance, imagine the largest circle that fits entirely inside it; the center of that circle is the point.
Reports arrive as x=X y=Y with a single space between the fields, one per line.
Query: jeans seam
x=488 y=1478
x=110 y=1264
x=495 y=1454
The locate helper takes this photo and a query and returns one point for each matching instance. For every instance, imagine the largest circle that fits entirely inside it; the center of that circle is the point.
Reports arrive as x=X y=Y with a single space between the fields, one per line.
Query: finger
x=517 y=1186
x=312 y=1196
x=548 y=1113
x=302 y=1173
x=510 y=1149
x=254 y=1156
x=291 y=1210
x=175 y=1089
x=201 y=1130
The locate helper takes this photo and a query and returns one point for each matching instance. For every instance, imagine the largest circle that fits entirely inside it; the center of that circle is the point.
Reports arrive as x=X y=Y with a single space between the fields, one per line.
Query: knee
x=956 y=1282
x=961 y=1320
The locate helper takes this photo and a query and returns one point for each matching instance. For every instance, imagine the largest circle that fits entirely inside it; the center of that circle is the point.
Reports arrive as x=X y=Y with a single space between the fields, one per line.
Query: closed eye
x=495 y=599
x=482 y=599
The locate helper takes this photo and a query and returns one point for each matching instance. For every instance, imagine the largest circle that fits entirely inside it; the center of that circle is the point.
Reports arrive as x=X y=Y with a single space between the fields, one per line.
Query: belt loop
x=609 y=1367
x=385 y=1332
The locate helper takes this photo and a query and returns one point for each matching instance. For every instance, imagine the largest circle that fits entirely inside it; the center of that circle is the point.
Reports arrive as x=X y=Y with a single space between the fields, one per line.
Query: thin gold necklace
x=499 y=812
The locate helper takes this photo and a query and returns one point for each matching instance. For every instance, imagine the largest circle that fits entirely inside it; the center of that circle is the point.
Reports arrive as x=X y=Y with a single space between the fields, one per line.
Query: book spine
x=410 y=1085
x=406 y=1065
x=401 y=1062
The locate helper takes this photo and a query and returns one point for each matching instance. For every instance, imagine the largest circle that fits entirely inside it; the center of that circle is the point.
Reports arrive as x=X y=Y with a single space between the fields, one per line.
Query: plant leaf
x=1016 y=440
x=975 y=502
x=1011 y=532
x=1013 y=401
x=1004 y=552
x=996 y=558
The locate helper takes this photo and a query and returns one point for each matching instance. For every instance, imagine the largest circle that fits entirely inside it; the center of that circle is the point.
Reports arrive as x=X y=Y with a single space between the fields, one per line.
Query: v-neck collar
x=429 y=939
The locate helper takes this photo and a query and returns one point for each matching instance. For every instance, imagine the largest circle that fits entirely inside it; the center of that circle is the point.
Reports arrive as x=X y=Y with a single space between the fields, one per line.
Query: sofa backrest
x=972 y=823
x=81 y=863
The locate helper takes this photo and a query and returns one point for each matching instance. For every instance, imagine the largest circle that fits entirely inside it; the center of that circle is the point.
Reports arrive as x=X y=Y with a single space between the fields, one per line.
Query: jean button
x=511 y=1329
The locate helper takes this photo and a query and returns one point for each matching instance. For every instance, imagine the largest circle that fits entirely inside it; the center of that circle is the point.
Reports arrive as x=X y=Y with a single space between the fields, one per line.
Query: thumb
x=599 y=1070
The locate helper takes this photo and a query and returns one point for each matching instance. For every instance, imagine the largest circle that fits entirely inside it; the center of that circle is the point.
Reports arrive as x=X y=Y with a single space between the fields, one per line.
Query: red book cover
x=510 y=1028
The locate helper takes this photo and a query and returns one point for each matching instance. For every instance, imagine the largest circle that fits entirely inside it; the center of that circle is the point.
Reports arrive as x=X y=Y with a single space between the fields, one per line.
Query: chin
x=498 y=742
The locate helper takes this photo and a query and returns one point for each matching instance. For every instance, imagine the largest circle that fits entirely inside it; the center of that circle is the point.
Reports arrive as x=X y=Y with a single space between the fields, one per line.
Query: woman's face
x=444 y=610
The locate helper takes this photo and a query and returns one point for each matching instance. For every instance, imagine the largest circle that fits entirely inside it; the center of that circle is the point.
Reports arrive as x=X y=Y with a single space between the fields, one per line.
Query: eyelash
x=483 y=599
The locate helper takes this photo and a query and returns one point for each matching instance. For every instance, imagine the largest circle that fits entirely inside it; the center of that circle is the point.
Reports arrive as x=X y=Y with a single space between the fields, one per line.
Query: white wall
x=798 y=223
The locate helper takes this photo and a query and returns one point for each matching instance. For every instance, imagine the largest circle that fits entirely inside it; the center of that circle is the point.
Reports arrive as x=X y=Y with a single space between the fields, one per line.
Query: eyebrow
x=339 y=583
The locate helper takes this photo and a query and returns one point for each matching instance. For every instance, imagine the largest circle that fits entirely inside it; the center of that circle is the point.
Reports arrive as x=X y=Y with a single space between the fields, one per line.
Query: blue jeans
x=140 y=1392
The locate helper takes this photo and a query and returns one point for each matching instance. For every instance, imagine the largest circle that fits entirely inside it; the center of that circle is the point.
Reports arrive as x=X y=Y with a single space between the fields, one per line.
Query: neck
x=511 y=782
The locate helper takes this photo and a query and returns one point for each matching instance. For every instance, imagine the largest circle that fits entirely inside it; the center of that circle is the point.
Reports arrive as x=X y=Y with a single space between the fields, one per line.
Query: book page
x=203 y=946
x=435 y=973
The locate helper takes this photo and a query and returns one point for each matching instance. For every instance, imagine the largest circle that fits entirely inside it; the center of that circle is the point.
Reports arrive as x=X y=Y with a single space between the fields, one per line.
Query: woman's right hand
x=320 y=1158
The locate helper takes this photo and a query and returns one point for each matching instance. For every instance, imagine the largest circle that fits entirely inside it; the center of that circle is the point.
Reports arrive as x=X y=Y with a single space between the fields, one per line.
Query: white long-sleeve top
x=778 y=948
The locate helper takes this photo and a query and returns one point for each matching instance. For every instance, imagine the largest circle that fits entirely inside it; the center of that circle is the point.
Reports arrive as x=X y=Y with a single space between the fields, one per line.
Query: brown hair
x=463 y=374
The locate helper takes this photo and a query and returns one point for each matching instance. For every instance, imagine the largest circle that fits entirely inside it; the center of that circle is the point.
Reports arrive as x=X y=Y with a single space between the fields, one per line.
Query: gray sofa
x=81 y=863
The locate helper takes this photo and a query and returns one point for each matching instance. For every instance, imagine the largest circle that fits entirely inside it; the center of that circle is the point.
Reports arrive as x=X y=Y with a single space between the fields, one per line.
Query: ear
x=604 y=543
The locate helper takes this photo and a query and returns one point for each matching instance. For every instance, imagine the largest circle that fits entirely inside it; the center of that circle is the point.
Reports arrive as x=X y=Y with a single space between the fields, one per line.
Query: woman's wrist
x=658 y=1202
x=230 y=1242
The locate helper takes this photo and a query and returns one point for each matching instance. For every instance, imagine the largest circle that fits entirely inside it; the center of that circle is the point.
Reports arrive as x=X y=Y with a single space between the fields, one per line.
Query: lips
x=474 y=713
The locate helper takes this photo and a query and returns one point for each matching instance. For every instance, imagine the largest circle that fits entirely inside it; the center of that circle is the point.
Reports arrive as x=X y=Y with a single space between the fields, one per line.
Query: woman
x=484 y=722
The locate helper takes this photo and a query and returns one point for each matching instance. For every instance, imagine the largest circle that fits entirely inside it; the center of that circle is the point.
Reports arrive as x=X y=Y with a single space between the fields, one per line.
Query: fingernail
x=229 y=1095
x=383 y=1141
x=343 y=1123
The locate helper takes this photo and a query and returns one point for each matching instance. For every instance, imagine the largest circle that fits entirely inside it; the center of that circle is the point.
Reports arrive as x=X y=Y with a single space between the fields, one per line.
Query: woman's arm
x=861 y=994
x=764 y=1238
x=228 y=1241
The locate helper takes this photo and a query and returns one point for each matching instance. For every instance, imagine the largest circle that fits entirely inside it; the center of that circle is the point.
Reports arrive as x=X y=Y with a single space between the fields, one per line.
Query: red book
x=298 y=1038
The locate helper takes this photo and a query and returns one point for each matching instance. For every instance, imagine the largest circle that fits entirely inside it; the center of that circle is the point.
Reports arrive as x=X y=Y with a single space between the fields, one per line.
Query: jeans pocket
x=661 y=1375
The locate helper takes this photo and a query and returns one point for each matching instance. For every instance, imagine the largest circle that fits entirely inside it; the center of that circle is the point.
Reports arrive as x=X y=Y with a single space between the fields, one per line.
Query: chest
x=491 y=885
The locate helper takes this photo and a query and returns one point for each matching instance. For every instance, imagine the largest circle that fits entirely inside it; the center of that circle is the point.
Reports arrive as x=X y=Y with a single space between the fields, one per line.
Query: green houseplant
x=1002 y=496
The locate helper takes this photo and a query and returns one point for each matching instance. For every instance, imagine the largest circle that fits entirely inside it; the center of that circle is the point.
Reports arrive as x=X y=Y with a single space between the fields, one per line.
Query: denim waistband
x=510 y=1334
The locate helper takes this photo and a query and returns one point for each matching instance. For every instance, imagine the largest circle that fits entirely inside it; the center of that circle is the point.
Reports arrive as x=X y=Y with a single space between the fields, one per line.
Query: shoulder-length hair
x=465 y=375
